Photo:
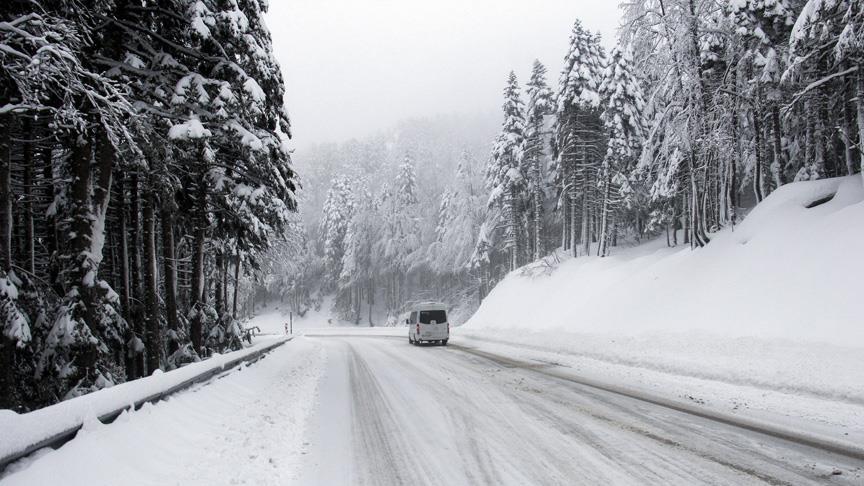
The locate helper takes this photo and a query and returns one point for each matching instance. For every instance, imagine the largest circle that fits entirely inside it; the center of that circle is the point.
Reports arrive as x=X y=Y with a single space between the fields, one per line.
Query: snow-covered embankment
x=765 y=321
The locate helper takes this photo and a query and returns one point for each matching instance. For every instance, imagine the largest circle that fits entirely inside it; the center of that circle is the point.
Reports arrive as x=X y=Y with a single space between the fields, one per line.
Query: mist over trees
x=702 y=109
x=389 y=219
x=143 y=172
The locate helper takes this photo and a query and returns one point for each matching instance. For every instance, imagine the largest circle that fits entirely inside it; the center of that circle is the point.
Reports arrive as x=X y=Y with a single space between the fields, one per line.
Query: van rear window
x=439 y=316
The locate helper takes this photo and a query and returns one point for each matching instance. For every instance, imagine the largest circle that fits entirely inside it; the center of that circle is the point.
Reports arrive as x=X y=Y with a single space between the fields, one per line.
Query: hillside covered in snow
x=789 y=272
x=764 y=320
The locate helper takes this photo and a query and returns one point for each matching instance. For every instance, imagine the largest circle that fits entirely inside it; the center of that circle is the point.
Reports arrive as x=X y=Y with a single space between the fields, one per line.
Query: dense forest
x=147 y=194
x=144 y=172
x=701 y=110
x=375 y=231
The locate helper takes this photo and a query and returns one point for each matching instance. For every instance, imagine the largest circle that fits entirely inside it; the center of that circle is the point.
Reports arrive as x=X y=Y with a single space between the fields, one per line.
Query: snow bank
x=20 y=431
x=788 y=272
x=773 y=304
x=246 y=428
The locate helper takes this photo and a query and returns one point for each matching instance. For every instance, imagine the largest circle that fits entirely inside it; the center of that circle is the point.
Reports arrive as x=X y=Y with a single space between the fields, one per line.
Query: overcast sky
x=355 y=67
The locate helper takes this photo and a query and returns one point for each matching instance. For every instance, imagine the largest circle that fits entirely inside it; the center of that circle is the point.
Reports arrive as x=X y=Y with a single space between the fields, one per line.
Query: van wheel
x=444 y=343
x=410 y=341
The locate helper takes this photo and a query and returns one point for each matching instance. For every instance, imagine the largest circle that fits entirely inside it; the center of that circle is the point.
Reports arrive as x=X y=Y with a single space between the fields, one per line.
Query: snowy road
x=392 y=413
x=372 y=409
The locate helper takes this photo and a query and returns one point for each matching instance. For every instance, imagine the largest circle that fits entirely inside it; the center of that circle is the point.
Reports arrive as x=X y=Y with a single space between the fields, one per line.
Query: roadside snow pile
x=787 y=272
x=774 y=303
x=21 y=431
x=246 y=428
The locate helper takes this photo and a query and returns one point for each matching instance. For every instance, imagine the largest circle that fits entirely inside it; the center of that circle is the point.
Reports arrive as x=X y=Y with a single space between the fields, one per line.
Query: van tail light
x=418 y=328
x=448 y=328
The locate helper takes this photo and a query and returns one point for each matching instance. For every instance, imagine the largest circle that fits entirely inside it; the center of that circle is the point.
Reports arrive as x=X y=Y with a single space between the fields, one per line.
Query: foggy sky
x=355 y=67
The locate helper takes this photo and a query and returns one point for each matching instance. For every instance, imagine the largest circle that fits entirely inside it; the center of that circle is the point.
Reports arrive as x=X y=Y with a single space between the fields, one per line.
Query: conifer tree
x=540 y=105
x=579 y=136
x=622 y=119
x=505 y=174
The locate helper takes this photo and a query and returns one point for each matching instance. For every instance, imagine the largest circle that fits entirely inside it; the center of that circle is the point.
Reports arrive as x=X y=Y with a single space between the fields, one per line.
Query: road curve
x=391 y=413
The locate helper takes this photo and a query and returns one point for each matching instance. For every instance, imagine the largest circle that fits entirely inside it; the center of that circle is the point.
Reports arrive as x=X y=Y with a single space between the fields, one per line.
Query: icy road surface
x=372 y=409
x=392 y=413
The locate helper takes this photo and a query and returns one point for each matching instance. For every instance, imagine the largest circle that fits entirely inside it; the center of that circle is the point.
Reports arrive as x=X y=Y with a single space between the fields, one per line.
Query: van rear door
x=431 y=331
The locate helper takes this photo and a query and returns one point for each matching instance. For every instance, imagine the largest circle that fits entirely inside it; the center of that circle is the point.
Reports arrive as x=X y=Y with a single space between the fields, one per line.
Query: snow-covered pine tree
x=540 y=105
x=622 y=118
x=679 y=158
x=403 y=238
x=579 y=135
x=337 y=214
x=359 y=262
x=81 y=348
x=764 y=26
x=827 y=45
x=158 y=99
x=459 y=215
x=505 y=174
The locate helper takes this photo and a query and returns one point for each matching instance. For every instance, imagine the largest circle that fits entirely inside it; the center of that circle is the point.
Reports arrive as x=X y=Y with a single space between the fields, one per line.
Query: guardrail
x=57 y=440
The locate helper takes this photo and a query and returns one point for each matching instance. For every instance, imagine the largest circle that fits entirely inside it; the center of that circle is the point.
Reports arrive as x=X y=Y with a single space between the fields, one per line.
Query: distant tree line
x=143 y=171
x=387 y=220
x=702 y=108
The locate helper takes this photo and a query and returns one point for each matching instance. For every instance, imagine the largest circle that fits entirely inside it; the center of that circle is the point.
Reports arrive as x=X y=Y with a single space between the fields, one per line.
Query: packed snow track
x=392 y=413
x=374 y=410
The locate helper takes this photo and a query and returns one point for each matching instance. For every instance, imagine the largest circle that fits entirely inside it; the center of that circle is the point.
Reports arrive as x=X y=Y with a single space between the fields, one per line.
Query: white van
x=427 y=322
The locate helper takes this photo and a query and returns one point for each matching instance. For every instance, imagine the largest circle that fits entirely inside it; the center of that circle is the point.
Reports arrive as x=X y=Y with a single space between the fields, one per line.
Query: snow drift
x=787 y=272
x=774 y=303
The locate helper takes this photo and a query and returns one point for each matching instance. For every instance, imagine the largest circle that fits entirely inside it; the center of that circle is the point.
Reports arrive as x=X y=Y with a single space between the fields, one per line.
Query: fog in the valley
x=354 y=68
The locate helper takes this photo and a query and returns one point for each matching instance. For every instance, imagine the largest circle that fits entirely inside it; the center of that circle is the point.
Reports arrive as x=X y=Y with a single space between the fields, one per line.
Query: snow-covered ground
x=245 y=428
x=765 y=321
x=274 y=318
x=22 y=430
x=365 y=407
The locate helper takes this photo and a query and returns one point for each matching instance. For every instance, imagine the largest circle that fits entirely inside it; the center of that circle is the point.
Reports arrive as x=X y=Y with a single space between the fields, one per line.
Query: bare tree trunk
x=515 y=249
x=860 y=97
x=574 y=212
x=151 y=278
x=236 y=282
x=829 y=160
x=125 y=290
x=850 y=141
x=197 y=296
x=224 y=276
x=370 y=299
x=538 y=210
x=601 y=247
x=221 y=269
x=169 y=261
x=586 y=223
x=565 y=220
x=29 y=230
x=779 y=155
x=5 y=193
x=51 y=244
x=757 y=169
x=137 y=311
